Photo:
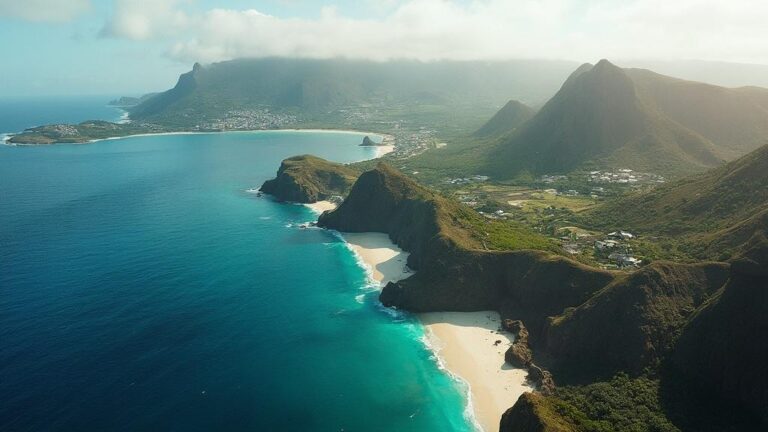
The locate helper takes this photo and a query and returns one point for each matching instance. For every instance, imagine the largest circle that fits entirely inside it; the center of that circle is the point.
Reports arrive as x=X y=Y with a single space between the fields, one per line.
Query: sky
x=129 y=47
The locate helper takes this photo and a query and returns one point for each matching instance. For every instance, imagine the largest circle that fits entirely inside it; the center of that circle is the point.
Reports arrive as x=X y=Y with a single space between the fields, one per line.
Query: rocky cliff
x=307 y=179
x=582 y=323
x=455 y=272
x=532 y=413
x=724 y=348
x=631 y=324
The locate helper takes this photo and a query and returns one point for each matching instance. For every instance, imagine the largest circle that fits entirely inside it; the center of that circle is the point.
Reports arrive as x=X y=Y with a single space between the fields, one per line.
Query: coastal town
x=249 y=119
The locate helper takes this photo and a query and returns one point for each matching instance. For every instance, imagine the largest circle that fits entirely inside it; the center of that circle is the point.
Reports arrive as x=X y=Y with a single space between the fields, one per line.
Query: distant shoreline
x=7 y=136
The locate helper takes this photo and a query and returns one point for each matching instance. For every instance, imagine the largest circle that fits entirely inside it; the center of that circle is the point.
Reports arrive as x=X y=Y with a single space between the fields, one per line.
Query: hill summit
x=512 y=115
x=599 y=119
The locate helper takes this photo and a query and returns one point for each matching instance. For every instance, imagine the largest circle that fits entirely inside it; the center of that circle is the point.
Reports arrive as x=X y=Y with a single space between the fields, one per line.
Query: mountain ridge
x=598 y=118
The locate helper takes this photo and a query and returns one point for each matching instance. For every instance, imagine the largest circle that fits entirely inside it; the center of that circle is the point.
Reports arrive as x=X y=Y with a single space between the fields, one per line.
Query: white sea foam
x=124 y=118
x=423 y=336
x=253 y=190
x=370 y=281
x=432 y=344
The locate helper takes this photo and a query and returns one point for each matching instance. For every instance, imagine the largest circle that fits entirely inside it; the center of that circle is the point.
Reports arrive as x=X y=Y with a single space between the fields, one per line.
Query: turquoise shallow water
x=142 y=288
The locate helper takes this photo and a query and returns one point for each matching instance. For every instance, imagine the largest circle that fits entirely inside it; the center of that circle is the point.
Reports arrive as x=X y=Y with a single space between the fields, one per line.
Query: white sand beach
x=466 y=344
x=321 y=206
x=386 y=261
x=384 y=149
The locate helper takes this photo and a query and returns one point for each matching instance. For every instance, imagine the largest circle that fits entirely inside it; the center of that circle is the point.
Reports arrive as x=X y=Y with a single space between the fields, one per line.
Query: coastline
x=472 y=349
x=465 y=343
x=381 y=150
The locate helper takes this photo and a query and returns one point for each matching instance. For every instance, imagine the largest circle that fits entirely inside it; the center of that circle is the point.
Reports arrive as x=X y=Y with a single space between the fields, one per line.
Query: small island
x=368 y=142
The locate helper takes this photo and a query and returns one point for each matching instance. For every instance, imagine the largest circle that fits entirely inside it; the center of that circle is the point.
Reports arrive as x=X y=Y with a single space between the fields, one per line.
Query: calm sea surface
x=143 y=288
x=18 y=114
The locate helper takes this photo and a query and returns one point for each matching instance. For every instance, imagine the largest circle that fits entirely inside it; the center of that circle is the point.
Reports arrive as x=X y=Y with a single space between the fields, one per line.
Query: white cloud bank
x=44 y=10
x=145 y=19
x=729 y=30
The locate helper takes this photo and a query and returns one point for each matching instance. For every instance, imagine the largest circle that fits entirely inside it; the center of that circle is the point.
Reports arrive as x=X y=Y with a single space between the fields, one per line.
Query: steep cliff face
x=631 y=324
x=308 y=179
x=416 y=219
x=724 y=348
x=454 y=272
x=525 y=285
x=583 y=323
x=532 y=413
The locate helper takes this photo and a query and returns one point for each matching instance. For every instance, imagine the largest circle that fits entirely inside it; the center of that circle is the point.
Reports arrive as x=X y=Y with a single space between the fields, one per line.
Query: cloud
x=145 y=19
x=44 y=10
x=731 y=30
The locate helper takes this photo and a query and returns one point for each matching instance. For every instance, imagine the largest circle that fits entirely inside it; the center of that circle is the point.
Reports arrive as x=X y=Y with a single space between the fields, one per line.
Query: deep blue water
x=17 y=114
x=142 y=288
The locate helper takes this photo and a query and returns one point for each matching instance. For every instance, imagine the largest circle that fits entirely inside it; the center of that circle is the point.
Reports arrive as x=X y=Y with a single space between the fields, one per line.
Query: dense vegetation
x=621 y=404
x=707 y=216
x=308 y=179
x=464 y=226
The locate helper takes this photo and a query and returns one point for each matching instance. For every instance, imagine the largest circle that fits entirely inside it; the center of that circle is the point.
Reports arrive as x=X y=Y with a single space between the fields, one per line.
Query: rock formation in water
x=308 y=179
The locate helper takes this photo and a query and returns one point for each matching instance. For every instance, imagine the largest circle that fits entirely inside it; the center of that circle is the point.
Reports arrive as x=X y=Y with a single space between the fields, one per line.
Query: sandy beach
x=382 y=150
x=386 y=261
x=465 y=342
x=321 y=206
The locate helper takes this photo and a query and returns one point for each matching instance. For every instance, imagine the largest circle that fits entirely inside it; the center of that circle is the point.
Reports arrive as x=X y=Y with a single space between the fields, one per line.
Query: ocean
x=17 y=114
x=142 y=287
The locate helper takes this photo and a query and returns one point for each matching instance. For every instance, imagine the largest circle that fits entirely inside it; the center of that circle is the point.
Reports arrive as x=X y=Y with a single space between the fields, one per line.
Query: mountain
x=606 y=117
x=725 y=74
x=718 y=210
x=130 y=101
x=599 y=119
x=512 y=115
x=312 y=88
x=734 y=120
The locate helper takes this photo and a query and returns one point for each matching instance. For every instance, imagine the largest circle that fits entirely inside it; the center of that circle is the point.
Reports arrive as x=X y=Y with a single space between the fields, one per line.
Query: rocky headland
x=574 y=324
x=308 y=179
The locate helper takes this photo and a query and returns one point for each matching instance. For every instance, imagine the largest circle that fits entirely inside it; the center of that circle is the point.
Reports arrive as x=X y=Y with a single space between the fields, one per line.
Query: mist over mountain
x=608 y=117
x=315 y=87
x=512 y=115
x=721 y=73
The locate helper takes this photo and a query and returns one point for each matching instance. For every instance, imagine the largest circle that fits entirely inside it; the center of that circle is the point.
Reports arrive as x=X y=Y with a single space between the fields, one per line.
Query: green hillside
x=735 y=120
x=718 y=210
x=512 y=115
x=308 y=179
x=605 y=117
x=599 y=120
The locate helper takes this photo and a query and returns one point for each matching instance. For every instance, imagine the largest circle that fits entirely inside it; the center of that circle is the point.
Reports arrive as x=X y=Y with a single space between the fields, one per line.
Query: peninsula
x=561 y=314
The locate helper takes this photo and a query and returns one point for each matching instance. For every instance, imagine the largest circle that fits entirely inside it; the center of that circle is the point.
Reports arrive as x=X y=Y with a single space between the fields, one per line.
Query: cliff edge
x=308 y=179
